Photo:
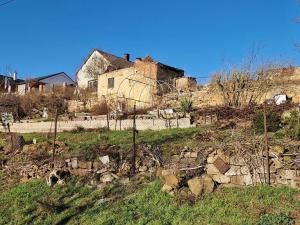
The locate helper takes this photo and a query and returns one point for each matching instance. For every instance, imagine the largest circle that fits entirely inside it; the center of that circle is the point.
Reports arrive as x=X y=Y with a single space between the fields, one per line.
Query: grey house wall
x=58 y=79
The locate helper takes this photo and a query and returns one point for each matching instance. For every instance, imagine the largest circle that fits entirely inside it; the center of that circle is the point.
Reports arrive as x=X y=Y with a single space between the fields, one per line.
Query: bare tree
x=242 y=86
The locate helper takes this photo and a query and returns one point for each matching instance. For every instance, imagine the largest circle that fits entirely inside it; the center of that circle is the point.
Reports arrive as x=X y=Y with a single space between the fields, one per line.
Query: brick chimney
x=127 y=56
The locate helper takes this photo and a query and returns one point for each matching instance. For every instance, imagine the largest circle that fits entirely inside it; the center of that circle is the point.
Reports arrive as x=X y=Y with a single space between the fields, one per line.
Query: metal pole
x=133 y=140
x=266 y=145
x=54 y=138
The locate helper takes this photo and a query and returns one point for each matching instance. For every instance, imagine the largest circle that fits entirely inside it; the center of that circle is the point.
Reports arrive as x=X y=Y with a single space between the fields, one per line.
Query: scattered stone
x=58 y=177
x=166 y=188
x=104 y=159
x=124 y=180
x=143 y=169
x=107 y=178
x=74 y=163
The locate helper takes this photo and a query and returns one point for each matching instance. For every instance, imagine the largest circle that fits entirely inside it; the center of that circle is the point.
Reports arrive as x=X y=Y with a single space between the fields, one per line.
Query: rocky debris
x=58 y=176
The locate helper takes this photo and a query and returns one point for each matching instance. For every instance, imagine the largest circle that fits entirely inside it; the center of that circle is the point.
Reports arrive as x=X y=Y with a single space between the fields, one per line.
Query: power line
x=7 y=2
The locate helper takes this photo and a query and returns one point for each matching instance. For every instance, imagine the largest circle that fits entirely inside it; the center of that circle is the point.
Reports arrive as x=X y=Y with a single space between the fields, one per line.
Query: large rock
x=199 y=185
x=208 y=184
x=196 y=185
x=171 y=180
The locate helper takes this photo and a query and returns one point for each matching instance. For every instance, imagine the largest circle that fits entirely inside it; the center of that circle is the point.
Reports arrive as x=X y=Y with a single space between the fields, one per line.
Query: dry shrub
x=100 y=109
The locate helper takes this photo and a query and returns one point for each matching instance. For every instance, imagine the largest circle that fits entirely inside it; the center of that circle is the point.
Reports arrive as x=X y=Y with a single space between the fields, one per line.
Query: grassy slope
x=83 y=140
x=74 y=204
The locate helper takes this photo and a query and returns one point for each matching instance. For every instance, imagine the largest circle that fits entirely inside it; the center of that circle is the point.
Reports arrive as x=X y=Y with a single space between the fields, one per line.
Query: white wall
x=141 y=124
x=83 y=77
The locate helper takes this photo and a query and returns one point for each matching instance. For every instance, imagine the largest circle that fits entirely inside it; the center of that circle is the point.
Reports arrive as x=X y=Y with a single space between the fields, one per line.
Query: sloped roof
x=11 y=78
x=115 y=61
x=47 y=76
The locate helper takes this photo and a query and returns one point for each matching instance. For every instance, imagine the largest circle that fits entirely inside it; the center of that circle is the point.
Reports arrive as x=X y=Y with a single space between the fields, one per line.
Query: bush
x=292 y=125
x=186 y=105
x=100 y=109
x=273 y=122
x=281 y=219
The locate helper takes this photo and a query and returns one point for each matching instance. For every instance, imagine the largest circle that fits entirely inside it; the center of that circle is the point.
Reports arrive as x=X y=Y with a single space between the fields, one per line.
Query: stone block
x=74 y=163
x=237 y=161
x=211 y=169
x=234 y=171
x=85 y=165
x=194 y=154
x=222 y=166
x=80 y=172
x=220 y=178
x=290 y=174
x=245 y=170
x=238 y=180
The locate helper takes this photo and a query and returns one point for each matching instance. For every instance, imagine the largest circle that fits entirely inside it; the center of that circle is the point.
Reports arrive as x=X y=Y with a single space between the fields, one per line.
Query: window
x=111 y=82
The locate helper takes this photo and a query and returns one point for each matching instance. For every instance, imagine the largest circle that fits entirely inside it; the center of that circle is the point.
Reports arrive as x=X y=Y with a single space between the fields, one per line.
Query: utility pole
x=266 y=145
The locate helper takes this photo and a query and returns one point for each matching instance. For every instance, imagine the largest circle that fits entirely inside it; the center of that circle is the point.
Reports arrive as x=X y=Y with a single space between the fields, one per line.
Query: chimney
x=127 y=56
x=15 y=75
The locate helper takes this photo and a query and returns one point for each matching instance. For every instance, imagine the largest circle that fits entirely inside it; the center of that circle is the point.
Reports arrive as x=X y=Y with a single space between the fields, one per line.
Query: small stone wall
x=235 y=171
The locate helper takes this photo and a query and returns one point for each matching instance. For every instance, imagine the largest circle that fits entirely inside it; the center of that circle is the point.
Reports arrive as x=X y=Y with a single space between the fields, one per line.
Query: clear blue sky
x=40 y=37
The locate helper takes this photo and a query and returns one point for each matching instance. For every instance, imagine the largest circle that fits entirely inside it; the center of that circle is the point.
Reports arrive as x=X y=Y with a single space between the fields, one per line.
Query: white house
x=97 y=63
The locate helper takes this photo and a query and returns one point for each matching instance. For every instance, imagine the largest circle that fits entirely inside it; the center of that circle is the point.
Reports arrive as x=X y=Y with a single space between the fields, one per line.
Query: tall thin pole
x=266 y=145
x=133 y=140
x=55 y=132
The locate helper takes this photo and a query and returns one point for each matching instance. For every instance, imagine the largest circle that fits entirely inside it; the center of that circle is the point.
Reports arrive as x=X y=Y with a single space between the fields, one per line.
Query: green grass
x=75 y=204
x=82 y=141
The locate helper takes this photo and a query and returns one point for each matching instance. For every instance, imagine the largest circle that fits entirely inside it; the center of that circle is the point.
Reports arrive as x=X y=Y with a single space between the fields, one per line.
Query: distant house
x=99 y=62
x=44 y=82
x=142 y=83
x=8 y=84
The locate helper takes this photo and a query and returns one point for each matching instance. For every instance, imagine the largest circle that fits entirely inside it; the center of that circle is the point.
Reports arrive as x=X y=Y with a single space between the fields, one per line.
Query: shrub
x=281 y=219
x=273 y=122
x=100 y=109
x=186 y=105
x=292 y=125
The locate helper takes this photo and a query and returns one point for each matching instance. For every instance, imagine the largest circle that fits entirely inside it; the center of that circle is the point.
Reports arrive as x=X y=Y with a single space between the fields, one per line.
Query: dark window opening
x=111 y=82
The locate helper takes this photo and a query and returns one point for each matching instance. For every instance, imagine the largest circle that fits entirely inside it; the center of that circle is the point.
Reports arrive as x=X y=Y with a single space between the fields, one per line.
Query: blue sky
x=40 y=37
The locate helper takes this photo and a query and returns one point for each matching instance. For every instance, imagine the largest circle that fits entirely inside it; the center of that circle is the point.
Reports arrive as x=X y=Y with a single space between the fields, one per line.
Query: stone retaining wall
x=141 y=124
